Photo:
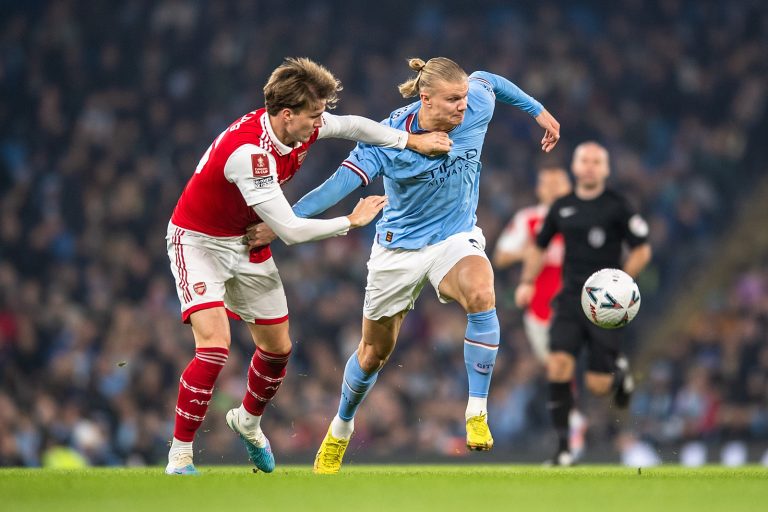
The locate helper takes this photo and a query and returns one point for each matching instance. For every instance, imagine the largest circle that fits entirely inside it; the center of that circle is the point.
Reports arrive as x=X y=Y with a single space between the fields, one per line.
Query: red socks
x=265 y=375
x=195 y=390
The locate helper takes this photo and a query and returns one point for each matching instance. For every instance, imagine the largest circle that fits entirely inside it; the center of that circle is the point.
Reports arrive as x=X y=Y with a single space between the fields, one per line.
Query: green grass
x=400 y=488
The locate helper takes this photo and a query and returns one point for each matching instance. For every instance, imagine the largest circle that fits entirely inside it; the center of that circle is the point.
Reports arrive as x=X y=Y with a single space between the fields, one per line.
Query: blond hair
x=436 y=69
x=299 y=84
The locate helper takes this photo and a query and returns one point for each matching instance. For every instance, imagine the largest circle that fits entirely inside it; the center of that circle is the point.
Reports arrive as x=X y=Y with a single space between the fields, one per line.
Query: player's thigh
x=272 y=338
x=255 y=294
x=599 y=383
x=210 y=327
x=461 y=271
x=199 y=270
x=395 y=280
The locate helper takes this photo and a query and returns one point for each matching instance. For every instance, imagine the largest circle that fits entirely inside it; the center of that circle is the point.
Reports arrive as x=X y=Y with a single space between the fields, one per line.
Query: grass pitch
x=401 y=488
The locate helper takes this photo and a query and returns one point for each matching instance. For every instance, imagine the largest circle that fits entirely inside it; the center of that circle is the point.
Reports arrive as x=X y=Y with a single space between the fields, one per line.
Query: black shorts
x=571 y=331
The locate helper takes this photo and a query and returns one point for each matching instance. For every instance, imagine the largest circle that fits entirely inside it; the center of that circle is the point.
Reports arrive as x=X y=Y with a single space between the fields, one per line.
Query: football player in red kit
x=238 y=182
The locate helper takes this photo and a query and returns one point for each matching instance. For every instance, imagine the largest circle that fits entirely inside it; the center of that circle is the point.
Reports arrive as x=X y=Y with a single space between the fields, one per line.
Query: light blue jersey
x=430 y=199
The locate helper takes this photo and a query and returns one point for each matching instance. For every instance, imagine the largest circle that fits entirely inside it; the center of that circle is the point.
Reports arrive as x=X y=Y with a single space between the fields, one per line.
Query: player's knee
x=599 y=385
x=372 y=358
x=208 y=336
x=212 y=339
x=480 y=298
x=559 y=367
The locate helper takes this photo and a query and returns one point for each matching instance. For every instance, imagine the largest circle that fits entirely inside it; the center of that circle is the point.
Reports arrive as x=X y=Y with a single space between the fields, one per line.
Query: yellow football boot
x=478 y=434
x=328 y=458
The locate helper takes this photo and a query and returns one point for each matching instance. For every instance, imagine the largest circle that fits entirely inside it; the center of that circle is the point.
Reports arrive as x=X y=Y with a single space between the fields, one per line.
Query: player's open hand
x=366 y=210
x=551 y=130
x=523 y=295
x=430 y=144
x=259 y=234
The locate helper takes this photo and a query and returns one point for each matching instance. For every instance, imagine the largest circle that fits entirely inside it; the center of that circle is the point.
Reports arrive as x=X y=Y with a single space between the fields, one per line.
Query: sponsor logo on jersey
x=389 y=236
x=199 y=288
x=596 y=237
x=483 y=367
x=301 y=156
x=567 y=211
x=260 y=165
x=263 y=182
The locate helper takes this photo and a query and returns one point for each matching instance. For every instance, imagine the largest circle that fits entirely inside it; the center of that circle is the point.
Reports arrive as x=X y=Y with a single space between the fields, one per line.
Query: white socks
x=476 y=406
x=180 y=449
x=248 y=420
x=341 y=429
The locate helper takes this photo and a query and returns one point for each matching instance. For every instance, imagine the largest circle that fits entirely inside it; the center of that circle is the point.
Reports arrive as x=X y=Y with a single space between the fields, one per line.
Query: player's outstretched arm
x=367 y=131
x=282 y=222
x=277 y=214
x=338 y=186
x=508 y=92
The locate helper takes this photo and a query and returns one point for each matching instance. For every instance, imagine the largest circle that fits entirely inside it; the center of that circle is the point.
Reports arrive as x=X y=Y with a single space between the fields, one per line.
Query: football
x=610 y=298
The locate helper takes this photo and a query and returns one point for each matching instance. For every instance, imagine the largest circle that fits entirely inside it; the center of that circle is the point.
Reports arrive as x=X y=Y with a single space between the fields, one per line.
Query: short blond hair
x=299 y=84
x=436 y=69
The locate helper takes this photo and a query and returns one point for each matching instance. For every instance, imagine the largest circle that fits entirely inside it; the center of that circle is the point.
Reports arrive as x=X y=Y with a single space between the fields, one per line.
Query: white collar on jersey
x=281 y=148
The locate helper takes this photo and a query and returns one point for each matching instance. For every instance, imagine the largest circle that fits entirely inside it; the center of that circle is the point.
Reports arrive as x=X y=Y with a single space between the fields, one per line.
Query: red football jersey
x=214 y=202
x=521 y=231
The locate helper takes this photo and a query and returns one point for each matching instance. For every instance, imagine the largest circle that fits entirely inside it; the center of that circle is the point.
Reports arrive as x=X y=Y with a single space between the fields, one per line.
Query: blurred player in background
x=552 y=183
x=238 y=182
x=427 y=233
x=595 y=223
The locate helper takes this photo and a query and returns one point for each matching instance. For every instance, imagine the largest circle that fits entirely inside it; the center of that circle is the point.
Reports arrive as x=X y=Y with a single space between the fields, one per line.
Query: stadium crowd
x=107 y=108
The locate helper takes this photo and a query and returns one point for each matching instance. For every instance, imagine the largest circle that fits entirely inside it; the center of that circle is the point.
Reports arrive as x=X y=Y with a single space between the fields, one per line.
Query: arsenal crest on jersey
x=260 y=165
x=199 y=288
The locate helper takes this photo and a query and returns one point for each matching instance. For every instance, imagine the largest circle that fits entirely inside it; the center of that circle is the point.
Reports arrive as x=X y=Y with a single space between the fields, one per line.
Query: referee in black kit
x=595 y=223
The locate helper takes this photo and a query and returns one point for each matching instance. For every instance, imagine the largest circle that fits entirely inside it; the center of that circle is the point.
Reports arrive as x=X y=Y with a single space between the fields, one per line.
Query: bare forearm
x=637 y=260
x=291 y=229
x=504 y=259
x=532 y=263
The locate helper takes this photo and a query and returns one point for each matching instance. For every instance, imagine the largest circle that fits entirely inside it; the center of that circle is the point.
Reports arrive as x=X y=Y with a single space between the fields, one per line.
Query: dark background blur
x=106 y=107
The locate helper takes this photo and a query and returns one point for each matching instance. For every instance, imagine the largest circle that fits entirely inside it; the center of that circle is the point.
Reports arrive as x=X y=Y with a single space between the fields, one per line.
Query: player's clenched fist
x=430 y=144
x=366 y=209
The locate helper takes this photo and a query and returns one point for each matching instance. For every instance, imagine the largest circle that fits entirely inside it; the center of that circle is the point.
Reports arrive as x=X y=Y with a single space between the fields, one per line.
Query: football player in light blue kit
x=427 y=233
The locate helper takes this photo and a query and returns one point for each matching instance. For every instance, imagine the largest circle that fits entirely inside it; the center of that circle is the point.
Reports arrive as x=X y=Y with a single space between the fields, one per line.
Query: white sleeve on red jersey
x=515 y=236
x=254 y=171
x=279 y=216
x=362 y=130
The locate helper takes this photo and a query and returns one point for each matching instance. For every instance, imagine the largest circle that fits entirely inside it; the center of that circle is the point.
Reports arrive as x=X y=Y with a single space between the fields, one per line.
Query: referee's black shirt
x=594 y=231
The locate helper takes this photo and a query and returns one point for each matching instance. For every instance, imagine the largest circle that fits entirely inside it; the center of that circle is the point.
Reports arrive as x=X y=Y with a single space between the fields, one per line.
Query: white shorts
x=217 y=272
x=537 y=332
x=396 y=276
